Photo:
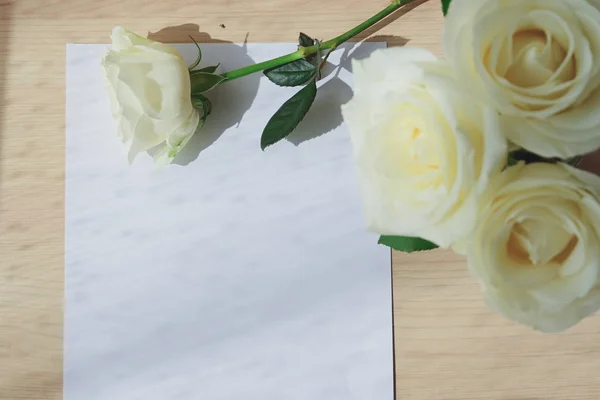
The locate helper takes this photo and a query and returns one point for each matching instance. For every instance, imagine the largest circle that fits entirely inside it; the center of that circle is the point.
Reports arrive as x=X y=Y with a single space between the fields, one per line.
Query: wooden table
x=448 y=344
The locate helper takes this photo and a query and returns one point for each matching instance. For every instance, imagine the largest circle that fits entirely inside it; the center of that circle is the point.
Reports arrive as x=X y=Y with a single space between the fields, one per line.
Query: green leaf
x=204 y=105
x=527 y=156
x=305 y=41
x=574 y=161
x=195 y=63
x=295 y=73
x=407 y=244
x=287 y=118
x=204 y=81
x=210 y=70
x=445 y=6
x=511 y=161
x=201 y=103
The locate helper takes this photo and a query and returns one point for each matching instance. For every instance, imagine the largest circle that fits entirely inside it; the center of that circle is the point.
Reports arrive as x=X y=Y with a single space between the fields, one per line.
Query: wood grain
x=448 y=344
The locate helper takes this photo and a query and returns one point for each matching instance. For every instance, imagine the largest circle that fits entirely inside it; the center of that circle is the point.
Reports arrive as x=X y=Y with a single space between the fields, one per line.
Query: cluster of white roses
x=432 y=136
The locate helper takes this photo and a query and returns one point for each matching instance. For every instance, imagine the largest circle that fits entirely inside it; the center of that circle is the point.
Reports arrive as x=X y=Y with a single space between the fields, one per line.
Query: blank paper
x=233 y=273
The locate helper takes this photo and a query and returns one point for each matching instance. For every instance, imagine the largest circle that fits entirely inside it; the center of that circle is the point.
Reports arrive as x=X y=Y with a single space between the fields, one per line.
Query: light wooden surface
x=448 y=344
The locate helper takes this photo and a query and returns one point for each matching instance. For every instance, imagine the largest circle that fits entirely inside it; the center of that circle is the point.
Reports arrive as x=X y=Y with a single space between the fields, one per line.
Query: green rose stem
x=303 y=52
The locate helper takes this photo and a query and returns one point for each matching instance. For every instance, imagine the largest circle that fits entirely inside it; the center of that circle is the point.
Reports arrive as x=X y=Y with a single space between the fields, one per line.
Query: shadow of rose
x=230 y=101
x=326 y=112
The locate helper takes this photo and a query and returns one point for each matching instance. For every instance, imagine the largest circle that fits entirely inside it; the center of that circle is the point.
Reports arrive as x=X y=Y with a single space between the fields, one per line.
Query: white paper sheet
x=233 y=273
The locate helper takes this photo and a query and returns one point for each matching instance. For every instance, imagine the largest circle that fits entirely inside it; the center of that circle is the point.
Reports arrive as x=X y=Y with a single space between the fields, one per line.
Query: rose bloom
x=538 y=63
x=536 y=245
x=424 y=150
x=149 y=90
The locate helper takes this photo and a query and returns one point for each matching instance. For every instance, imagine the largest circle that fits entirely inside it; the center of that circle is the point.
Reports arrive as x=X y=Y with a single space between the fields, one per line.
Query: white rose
x=535 y=249
x=538 y=63
x=149 y=90
x=424 y=152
